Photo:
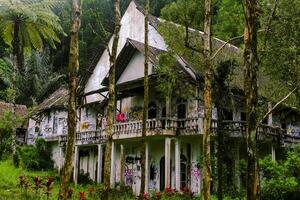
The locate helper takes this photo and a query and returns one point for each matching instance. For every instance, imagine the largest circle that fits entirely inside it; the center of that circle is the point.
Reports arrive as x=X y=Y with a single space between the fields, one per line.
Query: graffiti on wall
x=62 y=122
x=196 y=177
x=132 y=170
x=154 y=176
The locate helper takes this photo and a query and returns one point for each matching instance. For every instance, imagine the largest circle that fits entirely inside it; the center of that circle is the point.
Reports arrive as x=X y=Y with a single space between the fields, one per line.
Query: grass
x=9 y=180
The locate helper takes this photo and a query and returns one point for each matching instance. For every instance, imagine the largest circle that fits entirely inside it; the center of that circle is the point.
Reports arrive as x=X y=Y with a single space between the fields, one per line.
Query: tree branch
x=186 y=41
x=224 y=44
x=278 y=103
x=270 y=21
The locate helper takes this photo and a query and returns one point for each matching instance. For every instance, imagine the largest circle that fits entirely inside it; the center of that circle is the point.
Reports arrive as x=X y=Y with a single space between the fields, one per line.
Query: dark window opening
x=152 y=110
x=227 y=114
x=181 y=111
x=243 y=116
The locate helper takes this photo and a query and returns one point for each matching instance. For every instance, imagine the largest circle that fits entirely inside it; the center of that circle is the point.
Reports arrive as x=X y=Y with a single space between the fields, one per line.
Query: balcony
x=169 y=127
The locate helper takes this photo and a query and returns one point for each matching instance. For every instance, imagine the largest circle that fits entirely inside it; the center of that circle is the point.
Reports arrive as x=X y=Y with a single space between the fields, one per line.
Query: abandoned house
x=21 y=112
x=174 y=125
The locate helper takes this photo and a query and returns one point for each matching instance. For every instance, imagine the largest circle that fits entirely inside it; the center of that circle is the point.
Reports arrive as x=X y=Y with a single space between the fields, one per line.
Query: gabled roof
x=57 y=100
x=124 y=57
x=21 y=110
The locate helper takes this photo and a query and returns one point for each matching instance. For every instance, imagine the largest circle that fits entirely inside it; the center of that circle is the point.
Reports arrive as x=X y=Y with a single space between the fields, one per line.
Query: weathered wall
x=133 y=28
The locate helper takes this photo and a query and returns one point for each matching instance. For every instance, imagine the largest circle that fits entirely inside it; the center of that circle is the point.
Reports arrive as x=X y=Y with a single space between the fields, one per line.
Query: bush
x=36 y=157
x=278 y=180
x=6 y=127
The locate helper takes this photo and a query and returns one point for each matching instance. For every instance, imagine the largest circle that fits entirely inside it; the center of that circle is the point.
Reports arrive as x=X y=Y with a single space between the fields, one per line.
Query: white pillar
x=99 y=171
x=147 y=167
x=273 y=153
x=167 y=162
x=113 y=165
x=76 y=163
x=61 y=158
x=177 y=165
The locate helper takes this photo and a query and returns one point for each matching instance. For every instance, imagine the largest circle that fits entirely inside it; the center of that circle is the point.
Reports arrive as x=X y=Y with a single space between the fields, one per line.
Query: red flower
x=157 y=195
x=146 y=196
x=81 y=196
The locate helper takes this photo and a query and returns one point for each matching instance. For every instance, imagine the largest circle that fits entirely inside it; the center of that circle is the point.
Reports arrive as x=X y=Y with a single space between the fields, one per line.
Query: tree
x=208 y=77
x=146 y=102
x=251 y=64
x=26 y=25
x=72 y=115
x=112 y=98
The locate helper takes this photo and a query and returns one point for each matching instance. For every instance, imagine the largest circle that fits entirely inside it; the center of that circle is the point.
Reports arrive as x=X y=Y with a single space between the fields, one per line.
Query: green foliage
x=36 y=19
x=170 y=76
x=229 y=20
x=185 y=12
x=36 y=157
x=280 y=51
x=6 y=126
x=280 y=179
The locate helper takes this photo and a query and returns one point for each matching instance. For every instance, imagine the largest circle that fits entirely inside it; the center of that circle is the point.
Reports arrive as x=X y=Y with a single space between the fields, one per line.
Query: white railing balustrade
x=188 y=126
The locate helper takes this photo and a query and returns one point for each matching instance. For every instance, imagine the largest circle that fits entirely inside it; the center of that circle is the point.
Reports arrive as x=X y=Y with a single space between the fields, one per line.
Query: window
x=227 y=114
x=151 y=110
x=181 y=111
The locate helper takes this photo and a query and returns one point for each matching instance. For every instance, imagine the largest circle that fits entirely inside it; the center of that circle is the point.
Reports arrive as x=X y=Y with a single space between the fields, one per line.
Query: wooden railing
x=169 y=126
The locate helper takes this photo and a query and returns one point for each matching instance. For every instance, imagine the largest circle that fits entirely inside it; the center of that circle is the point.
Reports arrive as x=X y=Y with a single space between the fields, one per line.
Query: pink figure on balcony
x=120 y=117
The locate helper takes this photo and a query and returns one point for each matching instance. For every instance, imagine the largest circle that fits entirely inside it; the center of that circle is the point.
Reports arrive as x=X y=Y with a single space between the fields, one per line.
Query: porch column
x=147 y=167
x=273 y=152
x=177 y=165
x=60 y=165
x=112 y=165
x=76 y=164
x=167 y=162
x=100 y=155
x=122 y=166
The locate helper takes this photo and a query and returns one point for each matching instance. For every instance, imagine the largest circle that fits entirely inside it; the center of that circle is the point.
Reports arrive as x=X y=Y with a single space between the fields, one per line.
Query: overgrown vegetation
x=36 y=157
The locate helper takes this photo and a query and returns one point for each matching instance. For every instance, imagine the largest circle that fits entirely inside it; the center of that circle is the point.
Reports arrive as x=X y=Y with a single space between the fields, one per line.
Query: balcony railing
x=169 y=126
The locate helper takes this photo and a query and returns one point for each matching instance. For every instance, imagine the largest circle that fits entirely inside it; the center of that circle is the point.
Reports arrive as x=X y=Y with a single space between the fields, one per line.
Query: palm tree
x=27 y=24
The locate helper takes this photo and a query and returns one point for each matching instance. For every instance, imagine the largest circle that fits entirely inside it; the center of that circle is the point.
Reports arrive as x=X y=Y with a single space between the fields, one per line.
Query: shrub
x=36 y=157
x=84 y=178
x=280 y=179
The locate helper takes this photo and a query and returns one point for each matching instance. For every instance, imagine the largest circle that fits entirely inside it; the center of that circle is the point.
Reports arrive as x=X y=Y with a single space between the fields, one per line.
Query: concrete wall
x=135 y=69
x=50 y=124
x=132 y=27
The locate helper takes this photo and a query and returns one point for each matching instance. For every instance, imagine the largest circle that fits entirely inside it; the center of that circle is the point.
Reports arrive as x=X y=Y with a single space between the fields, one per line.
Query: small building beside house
x=22 y=123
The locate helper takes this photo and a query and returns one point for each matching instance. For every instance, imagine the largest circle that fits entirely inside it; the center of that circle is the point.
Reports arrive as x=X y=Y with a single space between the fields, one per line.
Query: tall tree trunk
x=72 y=70
x=146 y=102
x=207 y=101
x=250 y=85
x=220 y=140
x=16 y=51
x=221 y=93
x=112 y=98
